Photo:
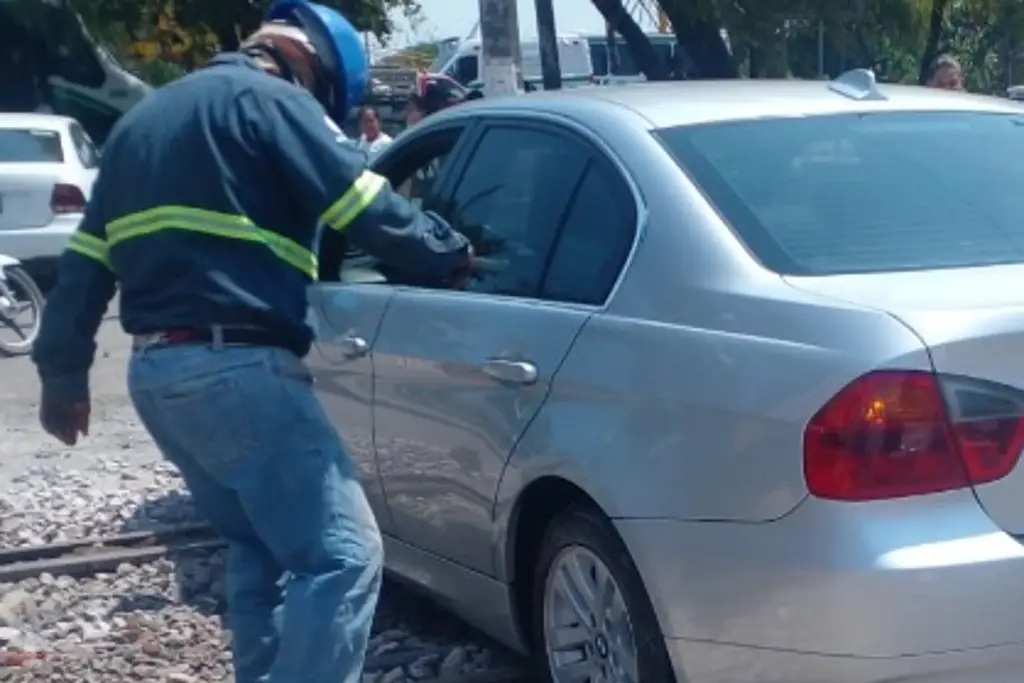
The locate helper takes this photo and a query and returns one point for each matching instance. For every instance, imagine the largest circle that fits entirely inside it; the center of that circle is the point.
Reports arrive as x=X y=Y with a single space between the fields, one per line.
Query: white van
x=573 y=59
x=83 y=79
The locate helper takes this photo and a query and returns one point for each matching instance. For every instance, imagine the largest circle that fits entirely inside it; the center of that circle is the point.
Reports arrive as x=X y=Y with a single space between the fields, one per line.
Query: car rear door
x=348 y=303
x=461 y=374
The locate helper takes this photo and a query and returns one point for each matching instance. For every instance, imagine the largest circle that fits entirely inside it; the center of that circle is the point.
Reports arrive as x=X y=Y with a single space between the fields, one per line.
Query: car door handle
x=354 y=347
x=511 y=371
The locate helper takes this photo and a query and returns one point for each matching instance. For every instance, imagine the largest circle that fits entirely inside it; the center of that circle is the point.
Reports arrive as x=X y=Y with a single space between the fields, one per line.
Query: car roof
x=34 y=120
x=681 y=103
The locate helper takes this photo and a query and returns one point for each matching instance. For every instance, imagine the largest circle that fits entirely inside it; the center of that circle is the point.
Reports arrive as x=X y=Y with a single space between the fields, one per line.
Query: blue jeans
x=264 y=465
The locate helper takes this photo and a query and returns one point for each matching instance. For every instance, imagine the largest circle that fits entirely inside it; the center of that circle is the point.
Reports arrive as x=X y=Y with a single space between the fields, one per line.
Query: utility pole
x=548 y=39
x=499 y=42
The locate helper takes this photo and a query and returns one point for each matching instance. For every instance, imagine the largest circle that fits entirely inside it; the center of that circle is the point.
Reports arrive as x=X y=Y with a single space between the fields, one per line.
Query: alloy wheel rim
x=588 y=634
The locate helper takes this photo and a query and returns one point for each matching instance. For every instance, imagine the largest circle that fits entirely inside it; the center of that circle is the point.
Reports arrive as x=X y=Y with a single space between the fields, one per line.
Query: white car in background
x=48 y=165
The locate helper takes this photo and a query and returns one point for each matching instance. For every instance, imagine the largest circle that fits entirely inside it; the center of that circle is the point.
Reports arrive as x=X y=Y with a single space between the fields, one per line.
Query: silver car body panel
x=973 y=324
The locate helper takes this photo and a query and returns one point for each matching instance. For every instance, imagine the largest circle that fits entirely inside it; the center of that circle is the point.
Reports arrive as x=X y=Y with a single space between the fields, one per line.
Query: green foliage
x=894 y=37
x=416 y=56
x=769 y=38
x=227 y=20
x=161 y=39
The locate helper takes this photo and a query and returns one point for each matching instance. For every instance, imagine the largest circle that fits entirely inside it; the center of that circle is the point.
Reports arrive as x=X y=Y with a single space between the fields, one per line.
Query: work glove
x=66 y=420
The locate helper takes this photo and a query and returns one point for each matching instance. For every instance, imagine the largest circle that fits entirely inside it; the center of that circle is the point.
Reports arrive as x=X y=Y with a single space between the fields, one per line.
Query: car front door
x=460 y=374
x=346 y=319
x=348 y=303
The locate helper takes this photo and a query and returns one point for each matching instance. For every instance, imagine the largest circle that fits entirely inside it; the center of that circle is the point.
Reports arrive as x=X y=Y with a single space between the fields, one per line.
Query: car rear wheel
x=592 y=619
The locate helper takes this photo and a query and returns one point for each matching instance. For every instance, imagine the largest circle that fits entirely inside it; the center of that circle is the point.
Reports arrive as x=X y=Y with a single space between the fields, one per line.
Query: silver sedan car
x=737 y=396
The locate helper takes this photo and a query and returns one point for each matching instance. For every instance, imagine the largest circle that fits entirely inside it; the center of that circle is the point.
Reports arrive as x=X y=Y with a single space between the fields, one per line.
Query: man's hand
x=64 y=420
x=460 y=279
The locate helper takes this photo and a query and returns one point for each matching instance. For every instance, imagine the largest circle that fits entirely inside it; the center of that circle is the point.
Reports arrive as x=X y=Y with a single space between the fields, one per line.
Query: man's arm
x=329 y=177
x=64 y=350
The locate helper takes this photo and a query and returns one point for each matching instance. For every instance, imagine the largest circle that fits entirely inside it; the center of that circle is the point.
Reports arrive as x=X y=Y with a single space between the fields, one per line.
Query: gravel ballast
x=160 y=622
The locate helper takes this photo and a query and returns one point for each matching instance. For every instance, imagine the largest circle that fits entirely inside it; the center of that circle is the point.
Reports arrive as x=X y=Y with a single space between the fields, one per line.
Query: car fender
x=528 y=465
x=7 y=261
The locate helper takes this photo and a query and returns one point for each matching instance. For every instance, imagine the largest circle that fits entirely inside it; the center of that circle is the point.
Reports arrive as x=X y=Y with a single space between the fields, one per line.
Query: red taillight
x=67 y=199
x=891 y=434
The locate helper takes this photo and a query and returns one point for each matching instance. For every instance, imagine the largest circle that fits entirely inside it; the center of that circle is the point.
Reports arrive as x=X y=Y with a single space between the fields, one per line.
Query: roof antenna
x=857 y=84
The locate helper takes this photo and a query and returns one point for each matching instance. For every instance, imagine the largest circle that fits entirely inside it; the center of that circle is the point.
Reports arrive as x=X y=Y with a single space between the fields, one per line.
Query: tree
x=619 y=21
x=698 y=26
x=936 y=20
x=228 y=20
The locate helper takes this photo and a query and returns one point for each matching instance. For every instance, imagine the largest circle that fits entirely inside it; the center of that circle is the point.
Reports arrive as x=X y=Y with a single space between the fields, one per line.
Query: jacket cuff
x=67 y=388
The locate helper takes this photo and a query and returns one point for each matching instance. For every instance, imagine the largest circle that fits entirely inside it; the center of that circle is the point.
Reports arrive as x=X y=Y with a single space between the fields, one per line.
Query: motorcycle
x=19 y=294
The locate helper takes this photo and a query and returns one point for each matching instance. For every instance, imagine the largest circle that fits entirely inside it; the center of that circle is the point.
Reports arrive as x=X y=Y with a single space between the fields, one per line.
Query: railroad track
x=90 y=556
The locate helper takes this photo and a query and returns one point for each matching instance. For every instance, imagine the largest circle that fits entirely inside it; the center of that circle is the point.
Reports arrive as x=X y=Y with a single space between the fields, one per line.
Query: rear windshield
x=23 y=145
x=867 y=192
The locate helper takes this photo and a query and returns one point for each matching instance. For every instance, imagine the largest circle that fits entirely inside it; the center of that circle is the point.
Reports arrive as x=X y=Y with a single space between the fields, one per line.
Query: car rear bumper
x=712 y=663
x=39 y=243
x=846 y=586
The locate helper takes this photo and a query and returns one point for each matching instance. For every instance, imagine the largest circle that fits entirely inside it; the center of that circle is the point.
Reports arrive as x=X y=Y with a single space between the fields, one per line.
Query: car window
x=417 y=166
x=599 y=58
x=26 y=145
x=594 y=241
x=86 y=150
x=413 y=168
x=510 y=201
x=418 y=186
x=466 y=69
x=867 y=192
x=665 y=51
x=616 y=54
x=625 y=63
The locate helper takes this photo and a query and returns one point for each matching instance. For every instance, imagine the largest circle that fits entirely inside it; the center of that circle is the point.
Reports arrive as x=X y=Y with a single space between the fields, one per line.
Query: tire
x=26 y=287
x=584 y=533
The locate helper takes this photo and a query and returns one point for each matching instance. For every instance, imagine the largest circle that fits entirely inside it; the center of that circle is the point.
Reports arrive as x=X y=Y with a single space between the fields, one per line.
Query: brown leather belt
x=228 y=336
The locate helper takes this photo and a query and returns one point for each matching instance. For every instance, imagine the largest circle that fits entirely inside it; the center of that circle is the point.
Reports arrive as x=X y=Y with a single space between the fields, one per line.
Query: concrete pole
x=500 y=63
x=548 y=39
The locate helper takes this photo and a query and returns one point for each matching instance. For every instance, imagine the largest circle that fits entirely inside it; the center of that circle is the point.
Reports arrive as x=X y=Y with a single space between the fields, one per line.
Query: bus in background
x=62 y=69
x=615 y=63
x=463 y=65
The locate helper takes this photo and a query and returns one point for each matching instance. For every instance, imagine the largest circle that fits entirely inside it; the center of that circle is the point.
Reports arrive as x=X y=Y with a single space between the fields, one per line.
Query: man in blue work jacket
x=206 y=212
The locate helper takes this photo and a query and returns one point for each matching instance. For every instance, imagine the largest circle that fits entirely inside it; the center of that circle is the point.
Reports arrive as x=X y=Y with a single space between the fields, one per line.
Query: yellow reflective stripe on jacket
x=362 y=193
x=90 y=246
x=212 y=223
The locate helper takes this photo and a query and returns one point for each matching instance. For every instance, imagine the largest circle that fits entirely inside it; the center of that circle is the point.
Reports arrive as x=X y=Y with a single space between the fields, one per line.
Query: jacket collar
x=234 y=59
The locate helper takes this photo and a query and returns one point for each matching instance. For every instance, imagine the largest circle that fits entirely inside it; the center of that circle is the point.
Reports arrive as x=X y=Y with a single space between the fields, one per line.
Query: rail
x=90 y=556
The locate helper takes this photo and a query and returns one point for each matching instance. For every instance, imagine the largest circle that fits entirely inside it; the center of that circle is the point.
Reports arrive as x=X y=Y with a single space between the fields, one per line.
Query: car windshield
x=865 y=193
x=25 y=145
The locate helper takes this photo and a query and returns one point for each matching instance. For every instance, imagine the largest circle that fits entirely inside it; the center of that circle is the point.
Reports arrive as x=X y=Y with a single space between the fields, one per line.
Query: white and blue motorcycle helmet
x=342 y=72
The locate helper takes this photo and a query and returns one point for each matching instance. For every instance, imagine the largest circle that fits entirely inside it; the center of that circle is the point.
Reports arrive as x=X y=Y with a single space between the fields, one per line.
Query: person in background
x=433 y=93
x=946 y=73
x=373 y=140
